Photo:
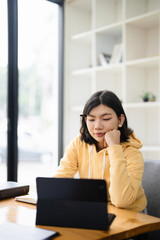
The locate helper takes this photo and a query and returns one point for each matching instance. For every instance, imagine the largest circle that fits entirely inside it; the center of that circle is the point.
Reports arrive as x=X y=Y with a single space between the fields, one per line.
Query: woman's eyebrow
x=104 y=114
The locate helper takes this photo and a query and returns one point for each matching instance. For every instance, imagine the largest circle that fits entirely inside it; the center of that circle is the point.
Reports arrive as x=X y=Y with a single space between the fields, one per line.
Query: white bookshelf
x=93 y=27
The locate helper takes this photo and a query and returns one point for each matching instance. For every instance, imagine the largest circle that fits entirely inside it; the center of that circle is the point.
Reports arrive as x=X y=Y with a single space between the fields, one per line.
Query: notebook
x=76 y=203
x=12 y=189
x=29 y=198
x=11 y=231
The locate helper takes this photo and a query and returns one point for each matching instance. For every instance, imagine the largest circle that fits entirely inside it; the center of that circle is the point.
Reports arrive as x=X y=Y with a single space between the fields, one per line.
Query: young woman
x=107 y=149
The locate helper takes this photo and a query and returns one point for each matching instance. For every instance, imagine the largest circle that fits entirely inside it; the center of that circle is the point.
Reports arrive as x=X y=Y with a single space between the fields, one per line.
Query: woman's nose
x=98 y=124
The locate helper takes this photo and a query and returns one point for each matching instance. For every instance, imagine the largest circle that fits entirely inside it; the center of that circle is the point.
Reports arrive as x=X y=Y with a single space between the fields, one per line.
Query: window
x=40 y=87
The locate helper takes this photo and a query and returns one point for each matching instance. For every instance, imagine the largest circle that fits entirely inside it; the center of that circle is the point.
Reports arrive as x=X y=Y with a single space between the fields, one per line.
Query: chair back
x=151 y=185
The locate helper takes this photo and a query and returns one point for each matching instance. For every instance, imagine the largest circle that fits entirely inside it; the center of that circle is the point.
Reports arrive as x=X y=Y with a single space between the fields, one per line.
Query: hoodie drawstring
x=104 y=162
x=89 y=171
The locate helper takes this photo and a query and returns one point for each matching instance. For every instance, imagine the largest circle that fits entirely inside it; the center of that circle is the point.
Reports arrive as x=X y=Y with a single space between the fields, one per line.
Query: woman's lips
x=99 y=134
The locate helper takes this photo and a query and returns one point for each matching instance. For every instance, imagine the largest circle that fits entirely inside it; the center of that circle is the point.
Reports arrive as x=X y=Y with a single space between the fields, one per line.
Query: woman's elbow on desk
x=121 y=201
x=136 y=204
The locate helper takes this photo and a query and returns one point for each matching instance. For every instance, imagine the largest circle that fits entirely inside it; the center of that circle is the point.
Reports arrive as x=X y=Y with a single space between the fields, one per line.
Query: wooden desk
x=127 y=223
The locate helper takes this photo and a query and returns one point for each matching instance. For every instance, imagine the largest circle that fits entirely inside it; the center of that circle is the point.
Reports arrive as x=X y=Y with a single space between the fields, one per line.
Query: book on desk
x=12 y=189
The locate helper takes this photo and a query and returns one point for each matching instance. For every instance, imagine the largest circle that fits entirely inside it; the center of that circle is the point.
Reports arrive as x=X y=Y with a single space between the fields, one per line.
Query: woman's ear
x=121 y=120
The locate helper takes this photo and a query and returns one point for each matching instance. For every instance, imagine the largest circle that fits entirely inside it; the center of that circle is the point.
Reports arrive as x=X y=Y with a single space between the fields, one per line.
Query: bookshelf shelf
x=142 y=105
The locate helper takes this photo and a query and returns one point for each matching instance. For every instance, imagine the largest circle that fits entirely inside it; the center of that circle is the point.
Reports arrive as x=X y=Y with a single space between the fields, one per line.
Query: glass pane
x=38 y=81
x=3 y=88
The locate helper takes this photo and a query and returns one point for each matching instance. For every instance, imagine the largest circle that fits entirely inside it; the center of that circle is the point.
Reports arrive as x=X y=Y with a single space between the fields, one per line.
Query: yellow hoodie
x=121 y=166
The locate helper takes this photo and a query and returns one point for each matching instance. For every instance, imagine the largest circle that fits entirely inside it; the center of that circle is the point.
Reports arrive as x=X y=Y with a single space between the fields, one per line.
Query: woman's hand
x=112 y=138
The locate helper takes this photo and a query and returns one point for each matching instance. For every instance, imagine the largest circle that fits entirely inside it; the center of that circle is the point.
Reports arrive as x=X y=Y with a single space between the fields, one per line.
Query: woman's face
x=100 y=120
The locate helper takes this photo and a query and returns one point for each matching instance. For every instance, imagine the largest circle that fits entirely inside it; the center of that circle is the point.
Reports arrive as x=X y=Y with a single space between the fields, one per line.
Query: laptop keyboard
x=111 y=217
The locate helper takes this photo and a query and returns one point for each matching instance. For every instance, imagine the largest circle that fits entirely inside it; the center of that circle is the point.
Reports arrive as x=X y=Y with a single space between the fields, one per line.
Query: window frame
x=12 y=100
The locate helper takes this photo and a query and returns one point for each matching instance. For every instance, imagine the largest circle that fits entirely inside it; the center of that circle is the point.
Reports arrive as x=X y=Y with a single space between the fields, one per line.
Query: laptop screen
x=72 y=189
x=65 y=202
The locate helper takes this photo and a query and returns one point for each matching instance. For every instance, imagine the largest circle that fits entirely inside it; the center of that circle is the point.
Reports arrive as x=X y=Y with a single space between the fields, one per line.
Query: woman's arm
x=69 y=163
x=126 y=172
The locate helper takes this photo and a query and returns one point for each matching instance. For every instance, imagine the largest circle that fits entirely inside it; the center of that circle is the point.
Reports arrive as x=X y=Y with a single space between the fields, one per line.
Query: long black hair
x=110 y=100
